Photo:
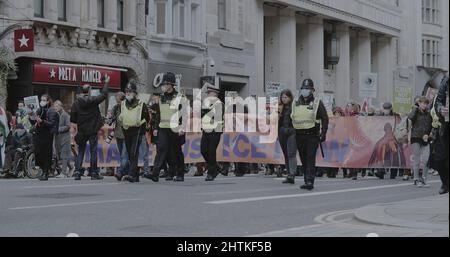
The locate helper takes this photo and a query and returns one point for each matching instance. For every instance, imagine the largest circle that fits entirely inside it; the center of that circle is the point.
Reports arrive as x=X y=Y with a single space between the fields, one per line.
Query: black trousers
x=307 y=147
x=133 y=138
x=169 y=149
x=209 y=144
x=44 y=150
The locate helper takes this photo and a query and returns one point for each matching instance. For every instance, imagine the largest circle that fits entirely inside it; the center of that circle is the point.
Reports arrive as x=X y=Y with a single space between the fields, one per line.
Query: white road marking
x=73 y=204
x=254 y=199
x=73 y=185
x=72 y=235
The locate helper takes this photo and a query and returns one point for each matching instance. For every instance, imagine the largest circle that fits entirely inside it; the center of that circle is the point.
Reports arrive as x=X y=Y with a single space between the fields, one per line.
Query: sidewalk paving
x=425 y=217
x=431 y=213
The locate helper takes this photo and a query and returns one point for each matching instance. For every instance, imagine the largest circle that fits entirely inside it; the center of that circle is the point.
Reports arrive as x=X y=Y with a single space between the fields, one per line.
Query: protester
x=46 y=124
x=124 y=166
x=22 y=116
x=20 y=138
x=86 y=115
x=63 y=140
x=287 y=135
x=420 y=139
x=441 y=145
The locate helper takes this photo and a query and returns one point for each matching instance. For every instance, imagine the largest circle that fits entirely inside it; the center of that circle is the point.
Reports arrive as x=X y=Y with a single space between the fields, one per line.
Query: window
x=430 y=53
x=101 y=13
x=222 y=14
x=430 y=11
x=194 y=23
x=39 y=8
x=181 y=19
x=178 y=16
x=160 y=17
x=119 y=14
x=62 y=11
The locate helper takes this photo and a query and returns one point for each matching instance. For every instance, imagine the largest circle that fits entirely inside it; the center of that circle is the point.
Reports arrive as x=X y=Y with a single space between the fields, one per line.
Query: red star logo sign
x=24 y=40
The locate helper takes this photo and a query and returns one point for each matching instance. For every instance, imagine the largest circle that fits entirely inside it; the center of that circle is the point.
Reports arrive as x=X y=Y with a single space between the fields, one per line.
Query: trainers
x=405 y=178
x=96 y=176
x=77 y=176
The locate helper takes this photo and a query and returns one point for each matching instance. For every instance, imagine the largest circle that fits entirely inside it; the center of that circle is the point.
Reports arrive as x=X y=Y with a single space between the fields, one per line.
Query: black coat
x=86 y=113
x=421 y=123
x=50 y=121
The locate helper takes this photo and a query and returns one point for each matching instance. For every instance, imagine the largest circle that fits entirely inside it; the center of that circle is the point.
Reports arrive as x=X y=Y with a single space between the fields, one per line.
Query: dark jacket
x=50 y=121
x=322 y=115
x=14 y=141
x=86 y=113
x=421 y=123
x=285 y=120
x=441 y=99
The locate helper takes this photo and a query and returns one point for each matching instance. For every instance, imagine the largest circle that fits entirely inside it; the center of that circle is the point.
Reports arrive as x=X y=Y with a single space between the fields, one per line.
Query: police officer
x=212 y=127
x=171 y=135
x=308 y=114
x=133 y=116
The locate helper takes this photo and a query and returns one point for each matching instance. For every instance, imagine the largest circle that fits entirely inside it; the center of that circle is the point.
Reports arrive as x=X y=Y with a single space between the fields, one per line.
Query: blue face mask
x=305 y=92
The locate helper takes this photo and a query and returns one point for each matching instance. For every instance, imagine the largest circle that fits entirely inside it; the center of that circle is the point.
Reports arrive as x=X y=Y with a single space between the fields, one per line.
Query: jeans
x=124 y=163
x=93 y=147
x=421 y=155
x=145 y=150
x=288 y=144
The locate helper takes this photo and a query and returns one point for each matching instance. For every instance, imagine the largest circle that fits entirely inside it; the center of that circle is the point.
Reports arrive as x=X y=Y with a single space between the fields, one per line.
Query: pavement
x=254 y=205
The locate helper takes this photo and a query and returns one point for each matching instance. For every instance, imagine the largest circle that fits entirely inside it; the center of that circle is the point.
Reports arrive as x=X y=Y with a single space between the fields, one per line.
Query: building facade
x=374 y=50
x=75 y=43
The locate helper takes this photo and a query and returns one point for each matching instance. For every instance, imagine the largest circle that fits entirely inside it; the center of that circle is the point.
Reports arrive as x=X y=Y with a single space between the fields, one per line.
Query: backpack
x=401 y=132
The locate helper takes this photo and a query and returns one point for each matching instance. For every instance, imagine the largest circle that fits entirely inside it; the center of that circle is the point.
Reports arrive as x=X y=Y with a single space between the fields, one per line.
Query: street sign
x=24 y=40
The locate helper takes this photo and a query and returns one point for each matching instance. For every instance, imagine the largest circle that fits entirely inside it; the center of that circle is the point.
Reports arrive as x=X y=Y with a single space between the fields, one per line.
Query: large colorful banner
x=352 y=142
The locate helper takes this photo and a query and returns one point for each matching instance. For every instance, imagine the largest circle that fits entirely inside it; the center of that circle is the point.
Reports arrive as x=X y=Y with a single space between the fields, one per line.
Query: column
x=316 y=52
x=288 y=48
x=169 y=18
x=343 y=82
x=360 y=61
x=111 y=14
x=257 y=25
x=384 y=69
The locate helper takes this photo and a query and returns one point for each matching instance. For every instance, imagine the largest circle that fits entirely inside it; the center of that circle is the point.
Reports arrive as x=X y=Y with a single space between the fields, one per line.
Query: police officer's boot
x=152 y=176
x=44 y=176
x=308 y=186
x=179 y=179
x=289 y=180
x=96 y=176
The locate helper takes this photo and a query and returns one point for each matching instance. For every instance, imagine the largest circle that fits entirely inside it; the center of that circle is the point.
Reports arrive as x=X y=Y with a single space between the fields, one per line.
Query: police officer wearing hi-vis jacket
x=171 y=113
x=134 y=116
x=310 y=120
x=212 y=127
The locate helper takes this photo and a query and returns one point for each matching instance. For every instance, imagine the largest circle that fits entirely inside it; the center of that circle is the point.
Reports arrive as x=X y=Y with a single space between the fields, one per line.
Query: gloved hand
x=323 y=137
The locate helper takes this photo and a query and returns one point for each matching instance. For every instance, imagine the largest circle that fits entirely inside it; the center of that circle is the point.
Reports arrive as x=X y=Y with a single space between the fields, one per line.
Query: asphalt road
x=229 y=206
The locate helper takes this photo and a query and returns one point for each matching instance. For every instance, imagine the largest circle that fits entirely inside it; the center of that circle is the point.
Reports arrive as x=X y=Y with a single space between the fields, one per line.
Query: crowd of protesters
x=48 y=131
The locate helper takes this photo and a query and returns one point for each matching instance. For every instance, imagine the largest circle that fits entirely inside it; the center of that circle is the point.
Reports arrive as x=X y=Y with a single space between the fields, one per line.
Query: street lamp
x=333 y=48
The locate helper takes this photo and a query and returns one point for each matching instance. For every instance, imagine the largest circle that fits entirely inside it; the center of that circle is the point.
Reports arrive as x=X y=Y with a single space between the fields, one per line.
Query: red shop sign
x=74 y=75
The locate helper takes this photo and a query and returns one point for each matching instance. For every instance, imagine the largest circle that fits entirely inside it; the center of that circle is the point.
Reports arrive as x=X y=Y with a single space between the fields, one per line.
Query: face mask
x=164 y=88
x=129 y=98
x=387 y=112
x=20 y=133
x=305 y=92
x=44 y=103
